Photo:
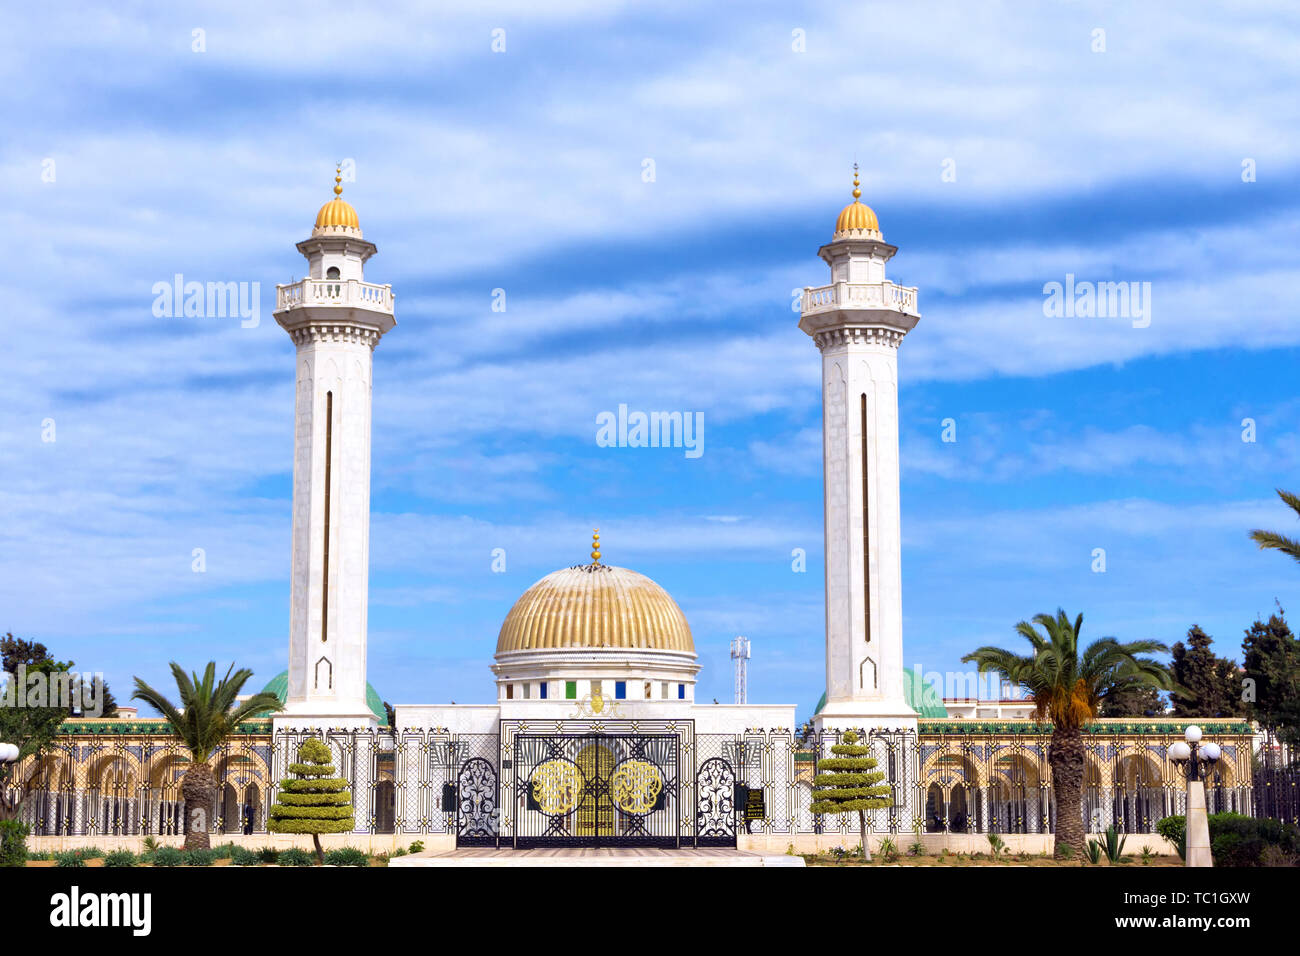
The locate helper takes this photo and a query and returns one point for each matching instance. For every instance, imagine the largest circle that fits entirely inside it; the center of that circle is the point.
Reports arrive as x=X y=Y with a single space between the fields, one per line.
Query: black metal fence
x=507 y=788
x=1277 y=781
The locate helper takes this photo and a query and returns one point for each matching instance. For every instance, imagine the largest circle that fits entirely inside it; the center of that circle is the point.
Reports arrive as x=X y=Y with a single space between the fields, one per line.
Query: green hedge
x=1237 y=840
x=167 y=856
x=1174 y=829
x=280 y=812
x=311 y=826
x=13 y=843
x=848 y=779
x=347 y=856
x=243 y=857
x=846 y=763
x=321 y=783
x=315 y=799
x=311 y=769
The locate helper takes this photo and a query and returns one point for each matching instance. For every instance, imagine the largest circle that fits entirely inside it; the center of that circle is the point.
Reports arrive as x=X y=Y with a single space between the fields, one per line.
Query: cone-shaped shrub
x=316 y=802
x=850 y=782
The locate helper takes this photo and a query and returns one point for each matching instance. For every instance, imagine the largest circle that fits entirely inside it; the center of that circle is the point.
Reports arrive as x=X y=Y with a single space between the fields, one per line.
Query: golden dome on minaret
x=337 y=215
x=595 y=606
x=857 y=219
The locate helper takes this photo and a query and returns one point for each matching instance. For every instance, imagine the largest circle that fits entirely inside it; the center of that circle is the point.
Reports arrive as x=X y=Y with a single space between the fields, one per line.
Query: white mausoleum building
x=594 y=736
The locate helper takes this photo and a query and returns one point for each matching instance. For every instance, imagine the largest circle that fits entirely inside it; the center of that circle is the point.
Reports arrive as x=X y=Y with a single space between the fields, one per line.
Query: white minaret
x=335 y=319
x=858 y=323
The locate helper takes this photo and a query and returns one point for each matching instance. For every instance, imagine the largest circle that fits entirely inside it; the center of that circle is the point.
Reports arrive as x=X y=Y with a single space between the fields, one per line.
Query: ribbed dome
x=337 y=212
x=595 y=606
x=856 y=216
x=857 y=219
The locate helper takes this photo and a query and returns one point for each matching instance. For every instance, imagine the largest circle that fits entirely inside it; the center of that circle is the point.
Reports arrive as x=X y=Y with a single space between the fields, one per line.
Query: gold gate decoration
x=635 y=786
x=557 y=786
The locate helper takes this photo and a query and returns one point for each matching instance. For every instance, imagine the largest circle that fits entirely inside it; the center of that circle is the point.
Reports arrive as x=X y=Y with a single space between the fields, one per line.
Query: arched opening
x=958 y=810
x=113 y=799
x=1138 y=796
x=231 y=809
x=385 y=806
x=1093 y=797
x=252 y=812
x=332 y=272
x=1014 y=796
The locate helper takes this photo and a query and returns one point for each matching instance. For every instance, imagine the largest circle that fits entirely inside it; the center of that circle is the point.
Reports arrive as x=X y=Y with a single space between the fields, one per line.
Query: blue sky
x=522 y=170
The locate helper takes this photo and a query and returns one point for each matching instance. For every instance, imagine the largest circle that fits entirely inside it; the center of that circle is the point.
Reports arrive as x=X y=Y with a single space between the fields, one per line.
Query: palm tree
x=1067 y=689
x=1271 y=539
x=208 y=714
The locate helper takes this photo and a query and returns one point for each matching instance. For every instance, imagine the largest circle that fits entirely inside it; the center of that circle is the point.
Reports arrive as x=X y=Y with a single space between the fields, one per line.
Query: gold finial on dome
x=595 y=546
x=857 y=220
x=337 y=215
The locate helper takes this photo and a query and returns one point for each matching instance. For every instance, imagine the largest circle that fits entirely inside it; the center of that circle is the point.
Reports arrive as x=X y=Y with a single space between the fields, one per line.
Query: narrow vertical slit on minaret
x=325 y=569
x=866 y=531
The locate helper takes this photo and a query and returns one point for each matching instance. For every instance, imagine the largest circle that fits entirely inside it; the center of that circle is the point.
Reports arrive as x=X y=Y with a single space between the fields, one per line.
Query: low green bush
x=121 y=858
x=268 y=854
x=225 y=852
x=1174 y=829
x=347 y=856
x=199 y=857
x=13 y=843
x=167 y=856
x=296 y=857
x=69 y=858
x=1238 y=840
x=241 y=857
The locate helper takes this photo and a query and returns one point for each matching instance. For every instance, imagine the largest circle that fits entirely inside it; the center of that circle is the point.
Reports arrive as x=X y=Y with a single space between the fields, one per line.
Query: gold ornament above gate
x=635 y=786
x=557 y=786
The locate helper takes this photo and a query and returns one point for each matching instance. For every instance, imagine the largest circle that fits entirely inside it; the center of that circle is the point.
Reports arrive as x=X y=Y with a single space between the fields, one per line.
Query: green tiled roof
x=1155 y=726
x=145 y=726
x=279 y=686
x=920 y=693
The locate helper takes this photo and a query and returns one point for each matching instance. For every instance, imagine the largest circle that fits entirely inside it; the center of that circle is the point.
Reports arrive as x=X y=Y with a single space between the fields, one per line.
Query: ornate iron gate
x=596 y=790
x=476 y=803
x=715 y=803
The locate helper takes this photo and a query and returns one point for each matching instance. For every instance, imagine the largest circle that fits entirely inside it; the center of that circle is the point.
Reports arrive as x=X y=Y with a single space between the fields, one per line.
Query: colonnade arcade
x=124 y=778
x=997 y=777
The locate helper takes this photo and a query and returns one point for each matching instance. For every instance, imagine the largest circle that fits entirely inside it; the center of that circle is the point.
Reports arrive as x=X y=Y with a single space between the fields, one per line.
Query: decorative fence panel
x=954 y=776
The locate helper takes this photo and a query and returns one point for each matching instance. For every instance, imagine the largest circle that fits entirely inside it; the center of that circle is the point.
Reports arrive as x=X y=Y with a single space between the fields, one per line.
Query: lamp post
x=8 y=805
x=1196 y=759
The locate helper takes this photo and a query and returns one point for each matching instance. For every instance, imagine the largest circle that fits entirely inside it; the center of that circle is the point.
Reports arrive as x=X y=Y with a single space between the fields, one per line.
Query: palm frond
x=208 y=712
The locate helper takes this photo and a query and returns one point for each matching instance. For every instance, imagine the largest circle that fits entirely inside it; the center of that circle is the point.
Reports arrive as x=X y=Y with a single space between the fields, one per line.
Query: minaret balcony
x=344 y=293
x=859 y=295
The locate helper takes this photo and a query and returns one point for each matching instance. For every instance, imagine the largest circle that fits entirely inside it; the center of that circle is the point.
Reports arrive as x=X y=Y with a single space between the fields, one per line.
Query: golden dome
x=338 y=212
x=595 y=606
x=856 y=217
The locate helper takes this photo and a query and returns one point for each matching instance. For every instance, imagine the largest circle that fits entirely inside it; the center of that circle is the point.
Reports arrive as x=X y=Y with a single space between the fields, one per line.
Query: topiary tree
x=317 y=802
x=850 y=782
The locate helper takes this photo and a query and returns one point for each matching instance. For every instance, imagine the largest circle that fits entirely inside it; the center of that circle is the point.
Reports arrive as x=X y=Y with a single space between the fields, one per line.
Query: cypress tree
x=850 y=782
x=316 y=802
